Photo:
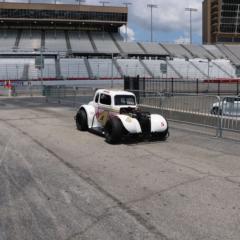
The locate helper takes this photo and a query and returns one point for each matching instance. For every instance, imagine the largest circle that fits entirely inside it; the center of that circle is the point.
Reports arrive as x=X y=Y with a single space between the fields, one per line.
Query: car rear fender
x=130 y=124
x=158 y=123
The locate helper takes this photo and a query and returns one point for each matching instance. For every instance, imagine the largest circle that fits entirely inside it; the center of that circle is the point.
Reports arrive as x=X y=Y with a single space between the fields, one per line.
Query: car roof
x=114 y=92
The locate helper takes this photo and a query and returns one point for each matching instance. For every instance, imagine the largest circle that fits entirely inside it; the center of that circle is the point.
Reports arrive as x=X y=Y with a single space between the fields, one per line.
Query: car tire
x=216 y=111
x=161 y=136
x=113 y=131
x=81 y=120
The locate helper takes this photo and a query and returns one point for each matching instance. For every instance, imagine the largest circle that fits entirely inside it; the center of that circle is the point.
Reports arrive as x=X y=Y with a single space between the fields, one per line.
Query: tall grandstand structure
x=221 y=23
x=83 y=42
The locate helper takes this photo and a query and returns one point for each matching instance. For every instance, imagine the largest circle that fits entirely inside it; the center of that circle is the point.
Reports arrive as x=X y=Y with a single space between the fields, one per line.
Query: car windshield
x=125 y=100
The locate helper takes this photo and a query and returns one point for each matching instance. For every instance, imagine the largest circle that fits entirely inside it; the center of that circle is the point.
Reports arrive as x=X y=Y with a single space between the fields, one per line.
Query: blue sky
x=171 y=22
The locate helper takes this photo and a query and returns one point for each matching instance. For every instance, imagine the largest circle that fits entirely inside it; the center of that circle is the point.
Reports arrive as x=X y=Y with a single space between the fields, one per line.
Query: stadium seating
x=130 y=47
x=214 y=51
x=232 y=57
x=226 y=66
x=73 y=68
x=11 y=69
x=30 y=40
x=7 y=40
x=209 y=68
x=55 y=41
x=154 y=49
x=102 y=68
x=155 y=67
x=187 y=69
x=198 y=51
x=132 y=67
x=104 y=42
x=176 y=50
x=80 y=42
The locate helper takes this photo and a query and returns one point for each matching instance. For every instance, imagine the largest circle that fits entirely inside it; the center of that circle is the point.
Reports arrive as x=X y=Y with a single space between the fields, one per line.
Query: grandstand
x=82 y=42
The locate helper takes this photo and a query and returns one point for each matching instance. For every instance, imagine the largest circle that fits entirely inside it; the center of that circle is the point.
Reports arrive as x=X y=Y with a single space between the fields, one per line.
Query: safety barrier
x=229 y=109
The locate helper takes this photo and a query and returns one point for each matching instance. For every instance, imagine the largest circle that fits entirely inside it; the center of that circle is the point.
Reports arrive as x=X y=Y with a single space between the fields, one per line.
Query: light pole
x=190 y=10
x=126 y=4
x=151 y=6
x=104 y=3
x=80 y=1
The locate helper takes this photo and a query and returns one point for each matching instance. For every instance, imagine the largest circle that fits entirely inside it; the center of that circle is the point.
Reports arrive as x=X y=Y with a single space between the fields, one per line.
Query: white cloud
x=182 y=40
x=130 y=33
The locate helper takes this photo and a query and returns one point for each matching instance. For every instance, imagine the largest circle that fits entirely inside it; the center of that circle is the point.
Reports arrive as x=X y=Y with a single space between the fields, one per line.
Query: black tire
x=113 y=131
x=161 y=136
x=81 y=120
x=216 y=111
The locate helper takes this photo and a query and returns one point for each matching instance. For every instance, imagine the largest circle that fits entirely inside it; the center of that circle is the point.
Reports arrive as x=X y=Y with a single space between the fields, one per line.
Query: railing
x=229 y=109
x=221 y=114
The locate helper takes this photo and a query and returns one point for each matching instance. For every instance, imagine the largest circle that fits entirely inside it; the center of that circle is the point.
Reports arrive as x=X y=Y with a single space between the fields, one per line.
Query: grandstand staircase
x=175 y=70
x=118 y=67
x=165 y=49
x=182 y=45
x=235 y=60
x=25 y=74
x=69 y=47
x=89 y=69
x=16 y=44
x=58 y=68
x=116 y=43
x=198 y=69
x=142 y=47
x=92 y=42
x=146 y=68
x=222 y=69
x=43 y=40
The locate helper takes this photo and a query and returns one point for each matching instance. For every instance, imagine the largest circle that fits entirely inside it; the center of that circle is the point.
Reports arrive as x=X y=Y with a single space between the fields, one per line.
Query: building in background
x=221 y=21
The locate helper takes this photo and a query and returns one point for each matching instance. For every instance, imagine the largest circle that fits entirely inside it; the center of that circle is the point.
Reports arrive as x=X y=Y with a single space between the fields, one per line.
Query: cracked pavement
x=58 y=183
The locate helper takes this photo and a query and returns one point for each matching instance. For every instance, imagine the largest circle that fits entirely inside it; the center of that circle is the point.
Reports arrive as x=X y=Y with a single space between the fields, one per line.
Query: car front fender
x=130 y=124
x=90 y=111
x=158 y=123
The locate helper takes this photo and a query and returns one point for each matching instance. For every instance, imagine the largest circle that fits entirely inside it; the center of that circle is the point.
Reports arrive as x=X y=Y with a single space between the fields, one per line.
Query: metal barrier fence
x=186 y=108
x=229 y=109
x=68 y=95
x=197 y=86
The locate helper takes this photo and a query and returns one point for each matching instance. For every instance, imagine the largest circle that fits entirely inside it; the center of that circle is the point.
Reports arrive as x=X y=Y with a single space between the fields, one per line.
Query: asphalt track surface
x=58 y=183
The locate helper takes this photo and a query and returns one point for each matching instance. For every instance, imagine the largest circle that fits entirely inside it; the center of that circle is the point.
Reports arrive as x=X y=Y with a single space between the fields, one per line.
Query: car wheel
x=113 y=131
x=216 y=111
x=81 y=120
x=161 y=136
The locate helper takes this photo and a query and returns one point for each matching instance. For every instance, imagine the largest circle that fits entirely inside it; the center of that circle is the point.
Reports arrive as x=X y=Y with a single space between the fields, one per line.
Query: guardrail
x=68 y=95
x=205 y=110
x=229 y=109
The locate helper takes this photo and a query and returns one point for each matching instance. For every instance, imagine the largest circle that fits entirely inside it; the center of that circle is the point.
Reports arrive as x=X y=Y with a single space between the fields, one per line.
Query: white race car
x=115 y=114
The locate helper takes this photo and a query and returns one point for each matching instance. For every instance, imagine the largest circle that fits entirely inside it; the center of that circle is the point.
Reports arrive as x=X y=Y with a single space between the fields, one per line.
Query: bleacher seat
x=102 y=68
x=73 y=68
x=130 y=47
x=80 y=42
x=55 y=41
x=154 y=48
x=214 y=51
x=104 y=42
x=155 y=67
x=198 y=51
x=186 y=69
x=7 y=39
x=176 y=50
x=30 y=40
x=132 y=67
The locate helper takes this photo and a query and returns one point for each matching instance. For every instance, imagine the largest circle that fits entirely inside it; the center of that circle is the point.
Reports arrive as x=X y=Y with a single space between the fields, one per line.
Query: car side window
x=105 y=99
x=97 y=98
